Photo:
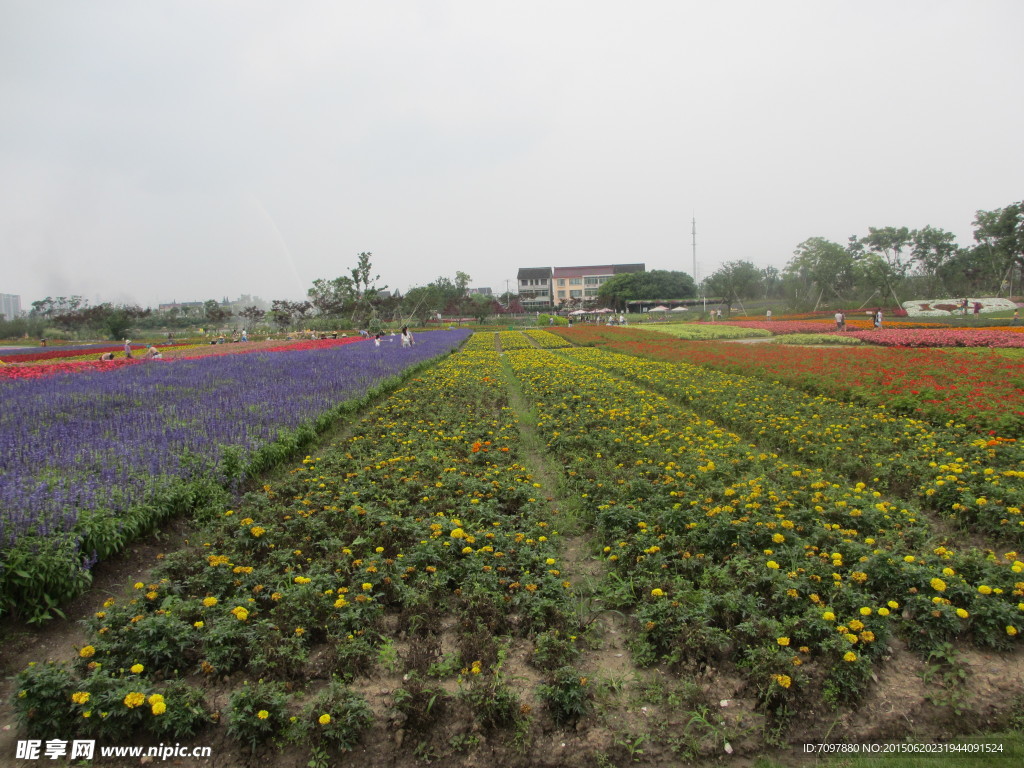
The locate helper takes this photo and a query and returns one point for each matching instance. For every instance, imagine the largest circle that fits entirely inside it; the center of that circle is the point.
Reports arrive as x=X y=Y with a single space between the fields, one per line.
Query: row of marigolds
x=724 y=552
x=423 y=515
x=972 y=479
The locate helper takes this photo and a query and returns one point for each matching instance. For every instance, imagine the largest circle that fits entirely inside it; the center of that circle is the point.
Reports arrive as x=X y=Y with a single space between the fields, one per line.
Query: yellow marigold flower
x=773 y=565
x=378 y=550
x=80 y=697
x=137 y=669
x=938 y=585
x=302 y=580
x=985 y=589
x=139 y=585
x=257 y=531
x=134 y=699
x=657 y=592
x=324 y=719
x=784 y=680
x=209 y=602
x=962 y=613
x=87 y=652
x=263 y=714
x=1011 y=631
x=276 y=596
x=782 y=641
x=155 y=698
x=299 y=631
x=467 y=550
x=850 y=656
x=159 y=708
x=828 y=616
x=893 y=604
x=850 y=637
x=367 y=586
x=240 y=613
x=948 y=572
x=865 y=611
x=458 y=533
x=199 y=624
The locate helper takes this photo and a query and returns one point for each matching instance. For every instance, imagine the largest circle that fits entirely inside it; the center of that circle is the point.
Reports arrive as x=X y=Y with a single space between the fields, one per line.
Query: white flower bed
x=947 y=307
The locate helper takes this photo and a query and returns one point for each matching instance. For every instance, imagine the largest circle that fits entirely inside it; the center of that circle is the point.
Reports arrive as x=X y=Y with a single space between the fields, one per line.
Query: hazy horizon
x=191 y=150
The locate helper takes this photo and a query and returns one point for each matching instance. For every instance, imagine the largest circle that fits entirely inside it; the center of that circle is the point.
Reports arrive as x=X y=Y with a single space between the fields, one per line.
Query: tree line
x=894 y=264
x=353 y=300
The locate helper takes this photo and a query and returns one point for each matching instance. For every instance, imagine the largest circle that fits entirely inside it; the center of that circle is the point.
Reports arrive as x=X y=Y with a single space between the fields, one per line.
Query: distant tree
x=820 y=265
x=883 y=264
x=214 y=312
x=931 y=248
x=734 y=280
x=253 y=314
x=481 y=306
x=646 y=286
x=117 y=320
x=1001 y=231
x=443 y=295
x=330 y=297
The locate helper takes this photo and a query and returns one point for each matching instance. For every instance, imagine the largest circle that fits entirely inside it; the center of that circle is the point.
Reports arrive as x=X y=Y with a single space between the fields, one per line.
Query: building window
x=593 y=281
x=576 y=294
x=590 y=292
x=576 y=281
x=561 y=294
x=561 y=281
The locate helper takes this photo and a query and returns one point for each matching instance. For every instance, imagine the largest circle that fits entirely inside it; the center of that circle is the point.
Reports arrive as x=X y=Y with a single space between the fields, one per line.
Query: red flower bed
x=44 y=369
x=57 y=354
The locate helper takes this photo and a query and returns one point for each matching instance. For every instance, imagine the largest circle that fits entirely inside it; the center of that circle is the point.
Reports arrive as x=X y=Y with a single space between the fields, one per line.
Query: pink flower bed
x=949 y=337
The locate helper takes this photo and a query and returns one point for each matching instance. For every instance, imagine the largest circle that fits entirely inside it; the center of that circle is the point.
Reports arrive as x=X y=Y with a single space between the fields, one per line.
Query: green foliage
x=42 y=704
x=257 y=712
x=657 y=284
x=817 y=338
x=337 y=717
x=567 y=695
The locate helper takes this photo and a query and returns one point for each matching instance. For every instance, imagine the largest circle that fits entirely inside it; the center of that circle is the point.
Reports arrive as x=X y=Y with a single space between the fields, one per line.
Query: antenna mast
x=696 y=281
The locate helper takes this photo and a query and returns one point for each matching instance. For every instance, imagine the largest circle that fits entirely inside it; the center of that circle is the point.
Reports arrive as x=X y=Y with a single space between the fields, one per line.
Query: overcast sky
x=184 y=150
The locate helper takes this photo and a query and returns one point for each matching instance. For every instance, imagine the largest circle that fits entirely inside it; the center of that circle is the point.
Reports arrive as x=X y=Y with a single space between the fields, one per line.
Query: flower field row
x=705 y=331
x=72 y=361
x=946 y=337
x=419 y=554
x=723 y=551
x=421 y=513
x=975 y=480
x=546 y=339
x=984 y=391
x=513 y=340
x=89 y=461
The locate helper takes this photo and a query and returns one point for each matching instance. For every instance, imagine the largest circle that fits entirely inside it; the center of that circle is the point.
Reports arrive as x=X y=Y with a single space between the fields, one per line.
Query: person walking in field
x=877 y=319
x=406 y=336
x=839 y=321
x=768 y=315
x=128 y=348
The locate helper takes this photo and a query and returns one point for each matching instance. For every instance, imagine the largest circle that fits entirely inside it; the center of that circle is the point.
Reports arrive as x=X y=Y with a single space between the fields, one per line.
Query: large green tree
x=655 y=285
x=1001 y=232
x=821 y=267
x=734 y=281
